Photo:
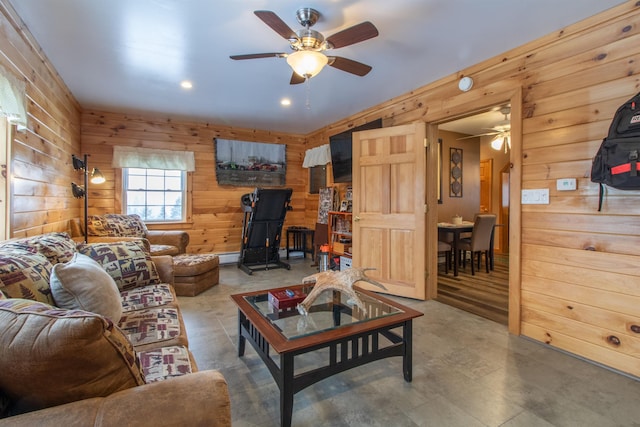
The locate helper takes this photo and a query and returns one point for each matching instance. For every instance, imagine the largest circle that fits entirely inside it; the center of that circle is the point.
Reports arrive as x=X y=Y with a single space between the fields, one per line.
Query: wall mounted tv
x=341 y=151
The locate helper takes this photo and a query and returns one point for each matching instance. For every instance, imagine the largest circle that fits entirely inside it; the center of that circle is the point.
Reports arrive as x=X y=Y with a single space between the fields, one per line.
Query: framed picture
x=455 y=182
x=250 y=164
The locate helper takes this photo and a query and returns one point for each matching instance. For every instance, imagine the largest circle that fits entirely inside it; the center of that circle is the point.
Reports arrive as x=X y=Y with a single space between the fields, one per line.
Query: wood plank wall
x=41 y=155
x=216 y=214
x=579 y=273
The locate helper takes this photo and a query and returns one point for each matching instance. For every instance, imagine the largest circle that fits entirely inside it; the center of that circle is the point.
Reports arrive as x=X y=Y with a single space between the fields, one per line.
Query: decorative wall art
x=455 y=187
x=325 y=204
x=250 y=164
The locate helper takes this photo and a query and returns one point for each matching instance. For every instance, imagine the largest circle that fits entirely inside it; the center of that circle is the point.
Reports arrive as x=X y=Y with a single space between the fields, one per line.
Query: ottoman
x=195 y=273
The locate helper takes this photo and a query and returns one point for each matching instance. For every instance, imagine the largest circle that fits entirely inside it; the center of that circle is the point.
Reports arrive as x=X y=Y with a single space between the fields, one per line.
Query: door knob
x=356 y=218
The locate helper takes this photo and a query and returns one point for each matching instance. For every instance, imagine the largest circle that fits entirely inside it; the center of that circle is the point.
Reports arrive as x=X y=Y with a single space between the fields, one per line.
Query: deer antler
x=339 y=281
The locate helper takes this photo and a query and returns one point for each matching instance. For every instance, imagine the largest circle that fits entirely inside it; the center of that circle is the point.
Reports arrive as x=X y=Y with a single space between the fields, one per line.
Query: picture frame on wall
x=250 y=164
x=455 y=182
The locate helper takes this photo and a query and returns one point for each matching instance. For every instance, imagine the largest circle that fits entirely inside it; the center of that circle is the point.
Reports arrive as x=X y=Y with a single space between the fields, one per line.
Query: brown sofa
x=117 y=227
x=92 y=334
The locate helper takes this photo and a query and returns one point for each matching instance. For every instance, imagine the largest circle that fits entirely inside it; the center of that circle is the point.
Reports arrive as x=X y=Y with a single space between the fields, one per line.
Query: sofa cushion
x=166 y=362
x=116 y=225
x=52 y=356
x=157 y=250
x=25 y=274
x=146 y=296
x=82 y=284
x=128 y=262
x=155 y=325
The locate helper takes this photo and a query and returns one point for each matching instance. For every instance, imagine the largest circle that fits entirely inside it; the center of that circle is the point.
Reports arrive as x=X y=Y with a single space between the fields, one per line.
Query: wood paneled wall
x=216 y=221
x=40 y=166
x=576 y=286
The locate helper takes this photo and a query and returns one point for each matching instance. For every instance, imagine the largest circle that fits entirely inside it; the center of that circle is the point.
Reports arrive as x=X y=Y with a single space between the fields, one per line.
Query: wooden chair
x=480 y=240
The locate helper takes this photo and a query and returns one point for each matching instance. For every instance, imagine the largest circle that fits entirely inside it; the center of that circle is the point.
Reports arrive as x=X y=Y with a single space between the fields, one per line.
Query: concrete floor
x=467 y=371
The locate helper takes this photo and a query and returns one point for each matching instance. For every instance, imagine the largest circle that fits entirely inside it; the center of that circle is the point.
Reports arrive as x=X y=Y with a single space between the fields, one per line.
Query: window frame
x=320 y=181
x=187 y=185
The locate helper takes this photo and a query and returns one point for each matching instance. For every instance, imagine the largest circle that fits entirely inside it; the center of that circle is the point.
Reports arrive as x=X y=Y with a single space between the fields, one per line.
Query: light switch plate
x=566 y=184
x=539 y=196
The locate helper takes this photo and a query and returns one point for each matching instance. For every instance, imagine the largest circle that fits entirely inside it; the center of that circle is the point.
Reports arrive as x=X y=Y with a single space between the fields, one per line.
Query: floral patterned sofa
x=92 y=334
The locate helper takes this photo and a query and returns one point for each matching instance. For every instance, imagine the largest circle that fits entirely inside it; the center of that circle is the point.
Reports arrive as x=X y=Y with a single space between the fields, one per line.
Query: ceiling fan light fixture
x=307 y=63
x=496 y=144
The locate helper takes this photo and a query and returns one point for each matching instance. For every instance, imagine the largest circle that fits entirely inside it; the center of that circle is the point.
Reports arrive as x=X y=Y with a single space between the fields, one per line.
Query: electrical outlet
x=535 y=197
x=566 y=184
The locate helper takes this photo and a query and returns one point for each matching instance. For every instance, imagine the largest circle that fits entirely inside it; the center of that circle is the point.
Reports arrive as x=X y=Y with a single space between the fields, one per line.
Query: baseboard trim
x=232 y=257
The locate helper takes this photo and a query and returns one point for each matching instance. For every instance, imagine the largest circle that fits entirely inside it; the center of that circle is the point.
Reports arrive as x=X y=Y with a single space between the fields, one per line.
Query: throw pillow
x=116 y=225
x=82 y=284
x=128 y=262
x=57 y=247
x=52 y=356
x=26 y=275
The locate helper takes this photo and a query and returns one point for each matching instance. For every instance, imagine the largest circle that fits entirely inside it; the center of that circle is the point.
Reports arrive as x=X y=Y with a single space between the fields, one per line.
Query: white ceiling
x=131 y=55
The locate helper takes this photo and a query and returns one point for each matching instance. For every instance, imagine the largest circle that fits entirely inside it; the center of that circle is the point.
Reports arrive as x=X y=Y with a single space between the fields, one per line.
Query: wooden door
x=486 y=182
x=389 y=207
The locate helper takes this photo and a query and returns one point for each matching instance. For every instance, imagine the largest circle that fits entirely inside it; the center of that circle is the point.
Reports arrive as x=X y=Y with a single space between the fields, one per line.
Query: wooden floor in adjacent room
x=486 y=295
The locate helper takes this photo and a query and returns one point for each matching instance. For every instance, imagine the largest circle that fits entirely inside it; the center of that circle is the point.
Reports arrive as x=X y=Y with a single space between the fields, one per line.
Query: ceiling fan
x=308 y=45
x=501 y=130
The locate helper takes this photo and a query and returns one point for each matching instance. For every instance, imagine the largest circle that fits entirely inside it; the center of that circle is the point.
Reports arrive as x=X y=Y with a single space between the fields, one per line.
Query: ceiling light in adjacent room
x=186 y=84
x=285 y=102
x=500 y=140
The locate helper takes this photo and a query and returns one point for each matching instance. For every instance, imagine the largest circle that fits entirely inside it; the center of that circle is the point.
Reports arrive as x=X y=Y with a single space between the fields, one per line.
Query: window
x=155 y=194
x=317 y=178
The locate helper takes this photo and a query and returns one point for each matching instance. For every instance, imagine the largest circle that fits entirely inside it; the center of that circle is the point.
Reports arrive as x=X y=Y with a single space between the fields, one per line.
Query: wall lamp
x=80 y=191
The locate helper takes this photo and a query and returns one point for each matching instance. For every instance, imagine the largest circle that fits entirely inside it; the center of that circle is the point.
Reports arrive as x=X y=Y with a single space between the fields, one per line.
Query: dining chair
x=480 y=240
x=444 y=247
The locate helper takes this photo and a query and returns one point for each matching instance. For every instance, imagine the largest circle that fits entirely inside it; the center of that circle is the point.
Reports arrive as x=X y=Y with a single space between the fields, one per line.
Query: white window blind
x=12 y=105
x=145 y=158
x=317 y=156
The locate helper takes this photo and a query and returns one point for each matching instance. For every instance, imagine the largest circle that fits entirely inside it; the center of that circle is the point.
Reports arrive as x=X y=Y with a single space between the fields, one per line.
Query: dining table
x=456 y=230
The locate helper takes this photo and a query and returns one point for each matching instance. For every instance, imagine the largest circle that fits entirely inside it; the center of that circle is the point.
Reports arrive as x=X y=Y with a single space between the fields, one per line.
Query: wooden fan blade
x=349 y=65
x=352 y=35
x=259 y=55
x=478 y=135
x=296 y=79
x=276 y=24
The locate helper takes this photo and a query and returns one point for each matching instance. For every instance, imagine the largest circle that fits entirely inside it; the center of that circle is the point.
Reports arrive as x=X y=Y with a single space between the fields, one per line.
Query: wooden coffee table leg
x=241 y=339
x=286 y=389
x=407 y=360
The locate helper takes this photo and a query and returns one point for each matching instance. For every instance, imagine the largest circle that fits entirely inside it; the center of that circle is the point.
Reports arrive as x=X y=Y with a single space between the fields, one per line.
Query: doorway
x=487 y=186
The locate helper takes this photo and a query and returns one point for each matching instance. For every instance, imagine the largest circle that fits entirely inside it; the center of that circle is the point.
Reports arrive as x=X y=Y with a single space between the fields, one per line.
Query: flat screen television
x=340 y=146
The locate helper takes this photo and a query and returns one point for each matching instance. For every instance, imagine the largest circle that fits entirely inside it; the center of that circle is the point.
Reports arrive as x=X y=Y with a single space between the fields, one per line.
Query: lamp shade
x=307 y=63
x=97 y=177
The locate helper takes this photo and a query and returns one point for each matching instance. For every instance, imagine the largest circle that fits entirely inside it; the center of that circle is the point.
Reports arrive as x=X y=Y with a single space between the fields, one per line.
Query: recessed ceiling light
x=285 y=102
x=186 y=84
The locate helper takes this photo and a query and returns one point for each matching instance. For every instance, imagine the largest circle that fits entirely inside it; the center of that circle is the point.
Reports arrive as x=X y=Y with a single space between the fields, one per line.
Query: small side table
x=300 y=236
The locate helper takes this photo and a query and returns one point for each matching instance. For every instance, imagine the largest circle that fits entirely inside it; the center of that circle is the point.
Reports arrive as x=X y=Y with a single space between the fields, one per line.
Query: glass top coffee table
x=353 y=336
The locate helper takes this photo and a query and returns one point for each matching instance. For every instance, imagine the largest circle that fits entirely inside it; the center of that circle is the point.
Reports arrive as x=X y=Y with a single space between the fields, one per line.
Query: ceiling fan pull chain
x=307 y=103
